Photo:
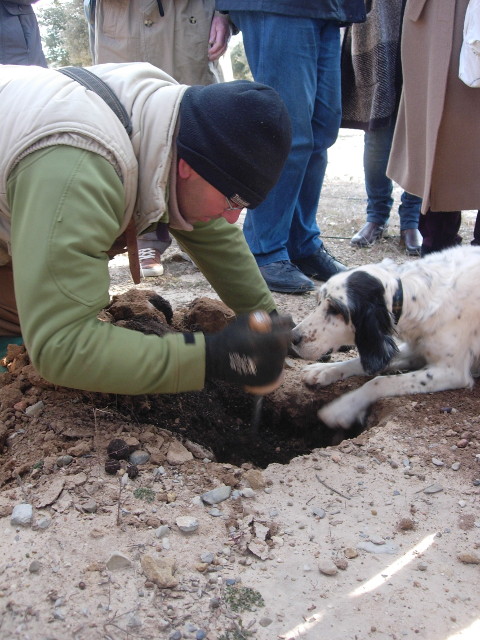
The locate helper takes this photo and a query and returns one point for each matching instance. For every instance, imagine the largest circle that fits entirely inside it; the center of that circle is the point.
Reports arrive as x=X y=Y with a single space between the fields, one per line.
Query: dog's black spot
x=372 y=321
x=429 y=376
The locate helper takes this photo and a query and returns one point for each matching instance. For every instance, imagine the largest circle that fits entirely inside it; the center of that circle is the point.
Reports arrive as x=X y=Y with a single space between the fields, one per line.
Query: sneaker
x=368 y=234
x=285 y=277
x=150 y=265
x=319 y=265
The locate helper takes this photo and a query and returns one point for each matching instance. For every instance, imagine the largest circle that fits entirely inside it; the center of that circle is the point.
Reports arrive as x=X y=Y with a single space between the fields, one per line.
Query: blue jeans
x=379 y=187
x=300 y=58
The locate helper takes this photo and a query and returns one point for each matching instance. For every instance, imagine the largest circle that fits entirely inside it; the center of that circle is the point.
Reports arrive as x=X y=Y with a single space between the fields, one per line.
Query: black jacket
x=342 y=11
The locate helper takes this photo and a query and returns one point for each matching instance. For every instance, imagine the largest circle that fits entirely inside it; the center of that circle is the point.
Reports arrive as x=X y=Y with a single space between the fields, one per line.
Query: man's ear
x=185 y=171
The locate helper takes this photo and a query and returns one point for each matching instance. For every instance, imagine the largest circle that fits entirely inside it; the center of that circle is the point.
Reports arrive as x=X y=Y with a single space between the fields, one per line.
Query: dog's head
x=350 y=309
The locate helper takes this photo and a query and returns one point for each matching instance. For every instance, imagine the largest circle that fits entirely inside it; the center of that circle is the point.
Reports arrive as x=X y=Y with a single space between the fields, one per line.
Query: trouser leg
x=9 y=323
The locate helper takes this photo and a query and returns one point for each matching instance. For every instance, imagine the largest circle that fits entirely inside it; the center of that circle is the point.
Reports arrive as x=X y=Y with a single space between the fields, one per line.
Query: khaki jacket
x=436 y=147
x=61 y=111
x=177 y=42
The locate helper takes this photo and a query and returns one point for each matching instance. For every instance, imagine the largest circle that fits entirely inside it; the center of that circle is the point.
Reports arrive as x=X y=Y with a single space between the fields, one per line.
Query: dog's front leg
x=322 y=374
x=352 y=407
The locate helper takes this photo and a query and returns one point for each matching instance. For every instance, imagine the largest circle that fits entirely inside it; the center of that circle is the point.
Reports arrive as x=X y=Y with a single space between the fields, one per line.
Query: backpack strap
x=91 y=81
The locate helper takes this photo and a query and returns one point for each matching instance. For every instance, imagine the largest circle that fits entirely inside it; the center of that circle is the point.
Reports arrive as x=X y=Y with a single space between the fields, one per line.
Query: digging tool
x=260 y=322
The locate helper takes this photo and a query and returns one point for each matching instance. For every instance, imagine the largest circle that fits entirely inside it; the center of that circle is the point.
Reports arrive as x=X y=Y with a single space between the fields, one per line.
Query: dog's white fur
x=437 y=334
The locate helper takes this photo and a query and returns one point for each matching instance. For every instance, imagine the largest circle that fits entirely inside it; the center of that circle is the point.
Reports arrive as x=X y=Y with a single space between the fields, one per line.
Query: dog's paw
x=342 y=414
x=321 y=374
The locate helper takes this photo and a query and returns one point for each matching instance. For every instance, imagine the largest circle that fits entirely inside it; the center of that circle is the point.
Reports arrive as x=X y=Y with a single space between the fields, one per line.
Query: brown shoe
x=368 y=234
x=412 y=240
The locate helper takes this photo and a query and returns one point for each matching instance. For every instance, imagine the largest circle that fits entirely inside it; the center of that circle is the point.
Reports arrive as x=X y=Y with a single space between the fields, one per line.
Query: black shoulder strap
x=94 y=83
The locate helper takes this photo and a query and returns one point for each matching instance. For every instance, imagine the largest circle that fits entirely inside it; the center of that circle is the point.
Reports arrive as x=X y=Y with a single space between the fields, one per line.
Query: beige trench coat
x=436 y=147
x=177 y=43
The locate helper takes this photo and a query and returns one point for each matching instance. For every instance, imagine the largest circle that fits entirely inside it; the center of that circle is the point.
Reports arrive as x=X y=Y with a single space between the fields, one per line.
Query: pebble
x=139 y=457
x=319 y=512
x=437 y=462
x=43 y=523
x=368 y=546
x=219 y=494
x=34 y=409
x=162 y=530
x=22 y=515
x=350 y=553
x=265 y=622
x=200 y=635
x=187 y=524
x=215 y=512
x=433 y=488
x=177 y=454
x=422 y=566
x=35 y=566
x=468 y=558
x=118 y=561
x=376 y=540
x=248 y=492
x=208 y=557
x=455 y=466
x=328 y=568
x=64 y=461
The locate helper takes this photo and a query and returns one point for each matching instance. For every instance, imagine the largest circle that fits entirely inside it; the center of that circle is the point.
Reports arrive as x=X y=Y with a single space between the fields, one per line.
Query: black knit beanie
x=236 y=136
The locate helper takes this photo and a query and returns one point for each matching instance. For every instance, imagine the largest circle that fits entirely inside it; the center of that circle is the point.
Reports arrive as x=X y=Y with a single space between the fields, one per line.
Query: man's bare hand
x=219 y=36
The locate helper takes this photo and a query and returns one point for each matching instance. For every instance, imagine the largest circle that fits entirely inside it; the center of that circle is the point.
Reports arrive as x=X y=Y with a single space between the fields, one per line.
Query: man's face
x=198 y=201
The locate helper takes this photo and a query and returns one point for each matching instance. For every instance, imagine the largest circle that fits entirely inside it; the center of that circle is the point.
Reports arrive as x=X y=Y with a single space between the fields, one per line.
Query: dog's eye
x=337 y=308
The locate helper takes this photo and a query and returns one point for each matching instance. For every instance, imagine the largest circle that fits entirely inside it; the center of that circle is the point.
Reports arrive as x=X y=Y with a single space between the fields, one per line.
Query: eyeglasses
x=231 y=206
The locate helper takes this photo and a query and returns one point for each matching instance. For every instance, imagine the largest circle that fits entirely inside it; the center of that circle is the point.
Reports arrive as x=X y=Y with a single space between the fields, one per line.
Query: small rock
x=350 y=553
x=318 y=512
x=118 y=561
x=248 y=492
x=159 y=571
x=376 y=540
x=437 y=462
x=112 y=466
x=118 y=449
x=462 y=443
x=341 y=563
x=406 y=524
x=187 y=524
x=22 y=515
x=328 y=568
x=162 y=531
x=455 y=466
x=468 y=558
x=265 y=622
x=433 y=488
x=255 y=479
x=219 y=494
x=178 y=454
x=35 y=566
x=34 y=409
x=139 y=457
x=90 y=506
x=64 y=461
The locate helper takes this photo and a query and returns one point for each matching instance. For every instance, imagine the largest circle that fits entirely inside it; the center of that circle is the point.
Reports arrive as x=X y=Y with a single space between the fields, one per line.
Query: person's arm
x=67 y=208
x=220 y=251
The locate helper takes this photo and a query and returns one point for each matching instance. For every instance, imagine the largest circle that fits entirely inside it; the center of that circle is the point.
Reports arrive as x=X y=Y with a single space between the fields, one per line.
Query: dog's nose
x=296 y=337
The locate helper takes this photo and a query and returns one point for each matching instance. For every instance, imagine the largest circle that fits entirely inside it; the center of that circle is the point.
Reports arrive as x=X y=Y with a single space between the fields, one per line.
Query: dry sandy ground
x=378 y=537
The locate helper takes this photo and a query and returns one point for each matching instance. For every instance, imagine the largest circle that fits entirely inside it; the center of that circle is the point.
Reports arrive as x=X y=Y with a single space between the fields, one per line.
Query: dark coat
x=339 y=10
x=20 y=41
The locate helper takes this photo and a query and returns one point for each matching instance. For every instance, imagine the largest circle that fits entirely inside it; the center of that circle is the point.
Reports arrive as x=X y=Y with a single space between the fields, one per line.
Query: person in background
x=184 y=38
x=20 y=41
x=195 y=154
x=295 y=48
x=371 y=89
x=436 y=146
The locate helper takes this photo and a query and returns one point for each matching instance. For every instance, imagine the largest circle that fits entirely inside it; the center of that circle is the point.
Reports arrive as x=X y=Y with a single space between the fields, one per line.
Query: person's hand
x=247 y=356
x=219 y=36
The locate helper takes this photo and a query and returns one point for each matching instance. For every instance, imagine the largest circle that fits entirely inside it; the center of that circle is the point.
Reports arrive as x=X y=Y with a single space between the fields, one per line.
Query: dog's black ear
x=372 y=321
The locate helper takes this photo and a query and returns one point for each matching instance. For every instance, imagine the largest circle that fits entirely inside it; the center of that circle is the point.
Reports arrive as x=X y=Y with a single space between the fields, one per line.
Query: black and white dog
x=422 y=316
